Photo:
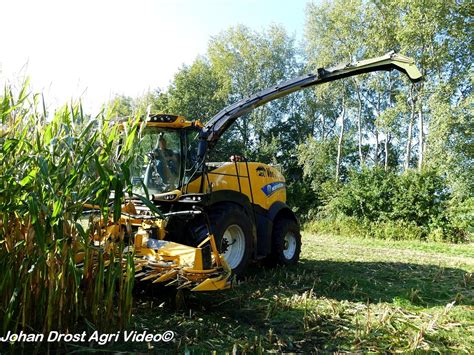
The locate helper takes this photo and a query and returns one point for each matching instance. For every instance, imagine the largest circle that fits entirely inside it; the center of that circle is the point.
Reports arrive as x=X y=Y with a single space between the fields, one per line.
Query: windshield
x=157 y=164
x=190 y=156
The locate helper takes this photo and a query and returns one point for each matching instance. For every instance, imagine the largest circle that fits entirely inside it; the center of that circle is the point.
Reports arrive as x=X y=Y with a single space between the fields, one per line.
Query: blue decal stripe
x=272 y=187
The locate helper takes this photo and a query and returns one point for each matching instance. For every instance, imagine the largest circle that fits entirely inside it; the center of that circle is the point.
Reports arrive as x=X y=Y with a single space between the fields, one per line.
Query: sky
x=93 y=50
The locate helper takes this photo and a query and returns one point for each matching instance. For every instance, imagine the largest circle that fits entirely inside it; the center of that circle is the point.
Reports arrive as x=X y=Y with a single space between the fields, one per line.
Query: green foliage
x=194 y=92
x=50 y=169
x=385 y=122
x=122 y=106
x=368 y=194
x=302 y=199
x=380 y=229
x=245 y=62
x=419 y=197
x=387 y=205
x=460 y=214
x=316 y=157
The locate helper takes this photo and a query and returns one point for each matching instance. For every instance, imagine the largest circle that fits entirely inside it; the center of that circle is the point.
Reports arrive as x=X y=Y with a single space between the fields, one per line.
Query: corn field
x=50 y=167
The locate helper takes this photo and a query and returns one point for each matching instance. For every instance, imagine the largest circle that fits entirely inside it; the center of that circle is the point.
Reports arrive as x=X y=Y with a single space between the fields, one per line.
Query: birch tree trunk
x=359 y=126
x=387 y=141
x=341 y=140
x=410 y=130
x=388 y=127
x=420 y=142
x=376 y=155
x=421 y=132
x=323 y=129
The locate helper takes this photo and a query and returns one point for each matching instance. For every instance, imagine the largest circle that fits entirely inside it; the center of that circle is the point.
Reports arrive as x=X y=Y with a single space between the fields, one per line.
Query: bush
x=396 y=230
x=461 y=218
x=347 y=226
x=354 y=227
x=367 y=195
x=302 y=199
x=420 y=197
x=382 y=204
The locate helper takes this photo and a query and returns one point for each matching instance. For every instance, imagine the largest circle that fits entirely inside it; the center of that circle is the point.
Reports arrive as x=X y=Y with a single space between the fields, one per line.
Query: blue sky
x=94 y=49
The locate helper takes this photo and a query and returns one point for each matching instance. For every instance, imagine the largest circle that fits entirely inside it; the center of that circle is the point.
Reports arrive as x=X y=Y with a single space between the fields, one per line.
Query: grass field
x=344 y=295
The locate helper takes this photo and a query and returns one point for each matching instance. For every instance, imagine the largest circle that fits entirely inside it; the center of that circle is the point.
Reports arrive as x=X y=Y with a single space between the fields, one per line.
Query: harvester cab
x=167 y=155
x=205 y=221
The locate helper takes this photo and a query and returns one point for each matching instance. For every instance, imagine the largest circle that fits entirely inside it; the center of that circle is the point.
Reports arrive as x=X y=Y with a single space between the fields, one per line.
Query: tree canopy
x=337 y=133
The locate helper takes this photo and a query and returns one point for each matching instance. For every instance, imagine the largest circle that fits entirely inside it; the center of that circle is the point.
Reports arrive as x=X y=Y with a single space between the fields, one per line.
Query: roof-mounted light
x=163 y=118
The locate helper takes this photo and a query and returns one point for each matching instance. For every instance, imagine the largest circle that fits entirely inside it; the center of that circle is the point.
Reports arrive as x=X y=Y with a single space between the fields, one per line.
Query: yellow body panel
x=181 y=122
x=265 y=186
x=166 y=262
x=182 y=265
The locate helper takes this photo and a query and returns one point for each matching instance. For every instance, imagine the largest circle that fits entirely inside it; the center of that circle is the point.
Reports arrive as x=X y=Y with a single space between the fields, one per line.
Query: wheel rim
x=233 y=241
x=289 y=248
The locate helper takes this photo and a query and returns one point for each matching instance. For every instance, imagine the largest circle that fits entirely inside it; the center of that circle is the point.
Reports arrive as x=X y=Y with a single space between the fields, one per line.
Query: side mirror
x=202 y=149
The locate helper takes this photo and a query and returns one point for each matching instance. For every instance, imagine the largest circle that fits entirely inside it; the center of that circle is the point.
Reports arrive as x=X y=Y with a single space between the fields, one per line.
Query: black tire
x=235 y=221
x=285 y=252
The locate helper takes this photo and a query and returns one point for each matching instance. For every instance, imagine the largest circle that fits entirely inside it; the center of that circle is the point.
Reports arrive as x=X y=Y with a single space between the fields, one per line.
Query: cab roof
x=168 y=121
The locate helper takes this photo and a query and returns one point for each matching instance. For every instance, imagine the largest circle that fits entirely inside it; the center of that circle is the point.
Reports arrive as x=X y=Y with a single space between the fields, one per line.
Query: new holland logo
x=269 y=189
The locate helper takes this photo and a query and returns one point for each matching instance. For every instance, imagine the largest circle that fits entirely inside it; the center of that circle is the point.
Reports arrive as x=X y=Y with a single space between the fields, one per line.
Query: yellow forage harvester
x=217 y=217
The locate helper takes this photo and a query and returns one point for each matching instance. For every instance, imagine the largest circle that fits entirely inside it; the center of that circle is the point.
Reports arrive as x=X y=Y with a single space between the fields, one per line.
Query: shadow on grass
x=374 y=282
x=267 y=311
x=272 y=299
x=402 y=284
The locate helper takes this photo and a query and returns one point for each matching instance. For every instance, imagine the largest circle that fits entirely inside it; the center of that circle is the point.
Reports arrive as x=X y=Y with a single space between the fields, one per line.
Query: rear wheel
x=232 y=231
x=286 y=242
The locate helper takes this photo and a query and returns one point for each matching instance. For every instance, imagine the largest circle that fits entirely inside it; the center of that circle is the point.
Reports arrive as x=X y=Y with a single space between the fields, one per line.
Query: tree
x=246 y=62
x=322 y=137
x=121 y=106
x=334 y=32
x=194 y=92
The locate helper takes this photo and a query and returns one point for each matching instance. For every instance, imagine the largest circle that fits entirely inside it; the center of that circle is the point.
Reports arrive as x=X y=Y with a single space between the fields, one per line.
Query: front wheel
x=232 y=230
x=286 y=242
